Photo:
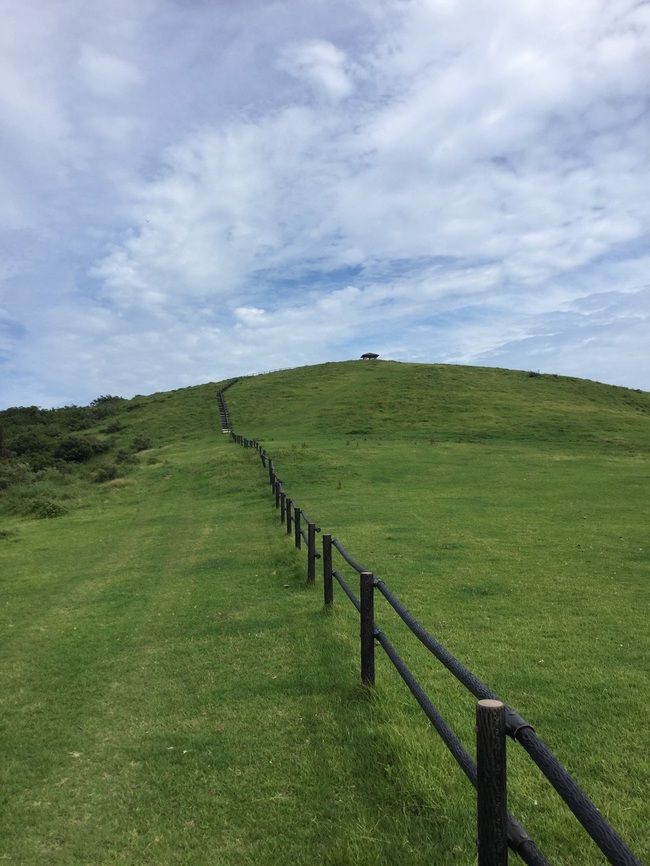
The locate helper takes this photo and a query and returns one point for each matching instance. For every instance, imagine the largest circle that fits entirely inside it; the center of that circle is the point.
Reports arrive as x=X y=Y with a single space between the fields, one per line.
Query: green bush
x=108 y=472
x=141 y=443
x=14 y=473
x=125 y=456
x=32 y=443
x=62 y=473
x=45 y=508
x=114 y=427
x=77 y=449
x=106 y=405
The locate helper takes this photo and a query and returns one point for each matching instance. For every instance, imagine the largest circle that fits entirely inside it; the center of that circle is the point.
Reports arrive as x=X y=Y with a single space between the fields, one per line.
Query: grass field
x=172 y=692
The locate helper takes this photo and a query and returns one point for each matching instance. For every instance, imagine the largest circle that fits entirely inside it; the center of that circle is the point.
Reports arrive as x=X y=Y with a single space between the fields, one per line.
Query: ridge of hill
x=444 y=403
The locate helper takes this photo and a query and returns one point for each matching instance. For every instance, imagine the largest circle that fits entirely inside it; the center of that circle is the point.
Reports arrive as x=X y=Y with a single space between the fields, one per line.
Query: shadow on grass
x=401 y=811
x=294 y=761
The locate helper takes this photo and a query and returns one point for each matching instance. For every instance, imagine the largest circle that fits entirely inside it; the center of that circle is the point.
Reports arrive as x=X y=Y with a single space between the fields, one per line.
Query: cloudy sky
x=196 y=189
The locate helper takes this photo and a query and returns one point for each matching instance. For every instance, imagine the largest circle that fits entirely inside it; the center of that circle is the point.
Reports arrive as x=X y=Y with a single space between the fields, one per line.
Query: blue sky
x=193 y=191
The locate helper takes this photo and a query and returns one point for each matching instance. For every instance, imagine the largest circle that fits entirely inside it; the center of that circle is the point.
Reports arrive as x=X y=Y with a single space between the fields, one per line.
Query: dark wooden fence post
x=311 y=552
x=296 y=527
x=367 y=580
x=283 y=504
x=328 y=584
x=277 y=487
x=492 y=815
x=271 y=472
x=288 y=507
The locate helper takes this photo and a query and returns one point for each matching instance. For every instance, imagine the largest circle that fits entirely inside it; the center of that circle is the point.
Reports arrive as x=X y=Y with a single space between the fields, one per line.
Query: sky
x=192 y=190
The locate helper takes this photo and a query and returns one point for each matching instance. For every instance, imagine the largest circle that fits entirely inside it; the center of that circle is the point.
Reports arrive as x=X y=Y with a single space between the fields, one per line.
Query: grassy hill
x=171 y=690
x=389 y=400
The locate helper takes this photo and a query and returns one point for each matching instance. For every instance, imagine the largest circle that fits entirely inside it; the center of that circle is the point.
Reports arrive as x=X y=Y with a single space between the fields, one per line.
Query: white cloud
x=603 y=336
x=241 y=179
x=252 y=317
x=321 y=63
x=106 y=75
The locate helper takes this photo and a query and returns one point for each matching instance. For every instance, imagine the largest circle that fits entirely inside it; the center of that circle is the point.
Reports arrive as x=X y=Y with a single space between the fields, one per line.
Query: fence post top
x=489 y=703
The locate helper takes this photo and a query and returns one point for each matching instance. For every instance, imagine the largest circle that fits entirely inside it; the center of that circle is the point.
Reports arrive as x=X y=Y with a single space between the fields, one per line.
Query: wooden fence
x=498 y=829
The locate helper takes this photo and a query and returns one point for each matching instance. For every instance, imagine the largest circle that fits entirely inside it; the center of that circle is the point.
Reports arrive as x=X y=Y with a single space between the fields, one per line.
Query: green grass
x=172 y=692
x=437 y=403
x=524 y=550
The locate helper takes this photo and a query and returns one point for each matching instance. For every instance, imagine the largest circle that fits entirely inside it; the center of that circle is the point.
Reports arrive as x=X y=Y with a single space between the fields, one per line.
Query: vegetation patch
x=45 y=508
x=172 y=690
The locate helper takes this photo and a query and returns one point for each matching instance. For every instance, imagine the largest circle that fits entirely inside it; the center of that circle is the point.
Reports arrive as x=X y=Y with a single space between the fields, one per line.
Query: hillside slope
x=391 y=400
x=509 y=512
x=195 y=697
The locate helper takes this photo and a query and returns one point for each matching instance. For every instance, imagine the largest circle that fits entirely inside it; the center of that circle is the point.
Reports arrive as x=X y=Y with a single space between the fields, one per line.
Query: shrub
x=4 y=451
x=106 y=405
x=108 y=472
x=114 y=427
x=141 y=443
x=32 y=443
x=60 y=475
x=45 y=508
x=14 y=473
x=125 y=456
x=76 y=449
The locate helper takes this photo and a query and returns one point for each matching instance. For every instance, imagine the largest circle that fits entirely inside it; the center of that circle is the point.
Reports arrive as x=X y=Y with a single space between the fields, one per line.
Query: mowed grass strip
x=172 y=692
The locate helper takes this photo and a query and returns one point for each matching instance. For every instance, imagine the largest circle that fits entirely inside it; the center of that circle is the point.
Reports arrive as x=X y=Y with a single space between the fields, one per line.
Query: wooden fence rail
x=497 y=828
